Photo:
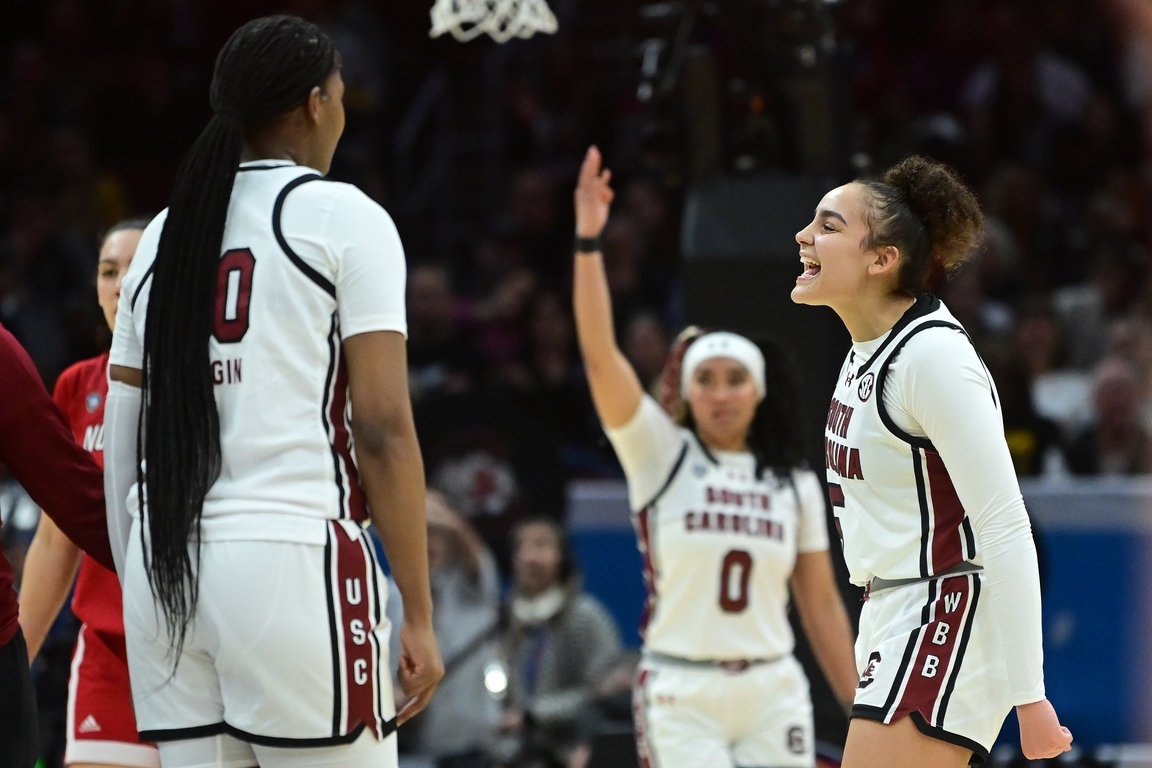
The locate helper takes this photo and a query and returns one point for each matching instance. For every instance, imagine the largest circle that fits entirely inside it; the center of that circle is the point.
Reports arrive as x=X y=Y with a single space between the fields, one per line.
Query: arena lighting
x=496 y=679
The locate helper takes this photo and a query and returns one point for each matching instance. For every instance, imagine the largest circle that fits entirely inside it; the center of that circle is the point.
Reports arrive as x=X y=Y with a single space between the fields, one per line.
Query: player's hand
x=1041 y=735
x=420 y=668
x=593 y=196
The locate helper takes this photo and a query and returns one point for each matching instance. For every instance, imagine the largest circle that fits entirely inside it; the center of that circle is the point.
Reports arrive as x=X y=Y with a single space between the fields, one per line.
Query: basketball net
x=502 y=20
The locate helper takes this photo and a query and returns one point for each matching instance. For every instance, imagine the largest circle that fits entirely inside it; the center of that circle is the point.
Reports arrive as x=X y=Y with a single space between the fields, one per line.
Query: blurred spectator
x=646 y=346
x=459 y=727
x=493 y=462
x=1033 y=440
x=1117 y=443
x=549 y=380
x=608 y=715
x=442 y=355
x=1086 y=311
x=559 y=642
x=1061 y=394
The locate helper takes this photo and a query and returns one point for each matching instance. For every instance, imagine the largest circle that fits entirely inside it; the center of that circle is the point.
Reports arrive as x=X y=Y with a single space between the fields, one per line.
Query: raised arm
x=616 y=390
x=388 y=456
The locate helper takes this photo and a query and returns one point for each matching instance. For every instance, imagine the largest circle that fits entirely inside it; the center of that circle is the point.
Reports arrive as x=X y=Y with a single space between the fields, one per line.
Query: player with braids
x=922 y=485
x=729 y=521
x=262 y=303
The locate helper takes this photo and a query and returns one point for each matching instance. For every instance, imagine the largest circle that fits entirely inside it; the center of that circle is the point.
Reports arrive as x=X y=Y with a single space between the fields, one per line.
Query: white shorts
x=930 y=651
x=288 y=646
x=689 y=716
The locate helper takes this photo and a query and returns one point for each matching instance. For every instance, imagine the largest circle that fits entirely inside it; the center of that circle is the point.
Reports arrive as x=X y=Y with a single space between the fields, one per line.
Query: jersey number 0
x=233 y=295
x=735 y=571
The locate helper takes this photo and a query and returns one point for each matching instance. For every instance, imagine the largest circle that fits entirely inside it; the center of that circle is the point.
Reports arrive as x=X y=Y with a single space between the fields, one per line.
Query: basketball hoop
x=501 y=19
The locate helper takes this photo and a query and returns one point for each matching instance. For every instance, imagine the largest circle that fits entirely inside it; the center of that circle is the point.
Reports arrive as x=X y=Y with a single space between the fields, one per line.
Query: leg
x=872 y=744
x=17 y=711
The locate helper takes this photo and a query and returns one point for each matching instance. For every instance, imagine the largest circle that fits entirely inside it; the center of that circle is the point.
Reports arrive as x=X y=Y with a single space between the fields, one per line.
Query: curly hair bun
x=948 y=209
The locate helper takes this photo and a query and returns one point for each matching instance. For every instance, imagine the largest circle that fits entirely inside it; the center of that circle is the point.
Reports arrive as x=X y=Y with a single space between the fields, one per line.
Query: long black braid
x=267 y=68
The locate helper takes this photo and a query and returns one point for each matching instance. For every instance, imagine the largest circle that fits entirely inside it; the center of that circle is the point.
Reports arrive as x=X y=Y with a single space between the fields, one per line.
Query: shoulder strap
x=882 y=376
x=671 y=476
x=324 y=283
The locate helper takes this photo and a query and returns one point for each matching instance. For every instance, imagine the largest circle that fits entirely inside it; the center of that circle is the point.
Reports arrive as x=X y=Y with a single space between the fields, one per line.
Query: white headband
x=723 y=344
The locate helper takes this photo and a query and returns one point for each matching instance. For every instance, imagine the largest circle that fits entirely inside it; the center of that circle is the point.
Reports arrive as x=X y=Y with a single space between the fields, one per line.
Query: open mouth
x=811 y=267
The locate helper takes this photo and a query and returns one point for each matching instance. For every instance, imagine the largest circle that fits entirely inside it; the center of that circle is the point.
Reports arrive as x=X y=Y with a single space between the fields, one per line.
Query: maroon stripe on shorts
x=939 y=640
x=353 y=590
x=355 y=507
x=836 y=495
x=948 y=514
x=640 y=718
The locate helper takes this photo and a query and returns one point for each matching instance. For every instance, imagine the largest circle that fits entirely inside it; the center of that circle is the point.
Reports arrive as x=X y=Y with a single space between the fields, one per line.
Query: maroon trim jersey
x=80 y=393
x=38 y=449
x=921 y=478
x=306 y=263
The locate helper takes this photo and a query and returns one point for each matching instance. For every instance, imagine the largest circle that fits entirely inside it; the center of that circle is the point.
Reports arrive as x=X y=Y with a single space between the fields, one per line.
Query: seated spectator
x=559 y=642
x=1059 y=393
x=441 y=353
x=608 y=715
x=1088 y=310
x=459 y=726
x=1033 y=440
x=1117 y=443
x=548 y=380
x=646 y=346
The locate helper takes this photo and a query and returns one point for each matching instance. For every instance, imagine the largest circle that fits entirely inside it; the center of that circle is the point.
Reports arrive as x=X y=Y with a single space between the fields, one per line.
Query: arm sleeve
x=370 y=267
x=131 y=310
x=942 y=385
x=813 y=533
x=647 y=447
x=121 y=417
x=38 y=447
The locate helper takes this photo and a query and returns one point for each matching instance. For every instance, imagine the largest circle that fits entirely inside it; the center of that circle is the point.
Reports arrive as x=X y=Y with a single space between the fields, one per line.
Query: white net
x=502 y=20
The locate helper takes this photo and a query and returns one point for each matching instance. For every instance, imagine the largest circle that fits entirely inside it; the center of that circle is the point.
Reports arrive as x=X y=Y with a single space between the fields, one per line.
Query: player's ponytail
x=267 y=68
x=925 y=210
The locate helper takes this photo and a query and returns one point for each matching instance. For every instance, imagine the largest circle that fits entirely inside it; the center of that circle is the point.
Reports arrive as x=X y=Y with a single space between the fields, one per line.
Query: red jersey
x=80 y=393
x=37 y=448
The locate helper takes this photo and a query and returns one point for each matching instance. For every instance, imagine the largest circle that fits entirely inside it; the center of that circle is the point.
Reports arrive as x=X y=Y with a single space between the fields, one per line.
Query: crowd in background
x=1044 y=106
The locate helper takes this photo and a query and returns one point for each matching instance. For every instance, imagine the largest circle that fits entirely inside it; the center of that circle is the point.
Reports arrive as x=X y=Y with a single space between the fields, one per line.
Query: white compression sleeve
x=942 y=385
x=121 y=417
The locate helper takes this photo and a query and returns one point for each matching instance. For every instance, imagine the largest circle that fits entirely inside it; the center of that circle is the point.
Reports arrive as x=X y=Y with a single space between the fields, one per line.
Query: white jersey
x=306 y=262
x=719 y=545
x=921 y=479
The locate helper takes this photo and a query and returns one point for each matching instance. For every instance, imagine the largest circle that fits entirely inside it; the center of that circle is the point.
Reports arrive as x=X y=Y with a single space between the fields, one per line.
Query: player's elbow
x=373 y=437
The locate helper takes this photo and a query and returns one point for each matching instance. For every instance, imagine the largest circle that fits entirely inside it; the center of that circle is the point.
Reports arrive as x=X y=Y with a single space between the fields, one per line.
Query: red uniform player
x=101 y=723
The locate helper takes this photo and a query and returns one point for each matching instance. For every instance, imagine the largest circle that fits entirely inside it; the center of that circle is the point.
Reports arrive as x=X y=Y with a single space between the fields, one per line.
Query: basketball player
x=922 y=485
x=101 y=728
x=263 y=316
x=727 y=521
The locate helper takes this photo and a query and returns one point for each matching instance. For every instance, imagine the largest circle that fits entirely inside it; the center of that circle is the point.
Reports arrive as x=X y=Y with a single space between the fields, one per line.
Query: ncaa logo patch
x=867 y=384
x=699 y=470
x=92 y=402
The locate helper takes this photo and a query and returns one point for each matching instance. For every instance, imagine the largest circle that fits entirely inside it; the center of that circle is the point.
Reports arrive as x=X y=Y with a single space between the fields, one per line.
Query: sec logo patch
x=867 y=384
